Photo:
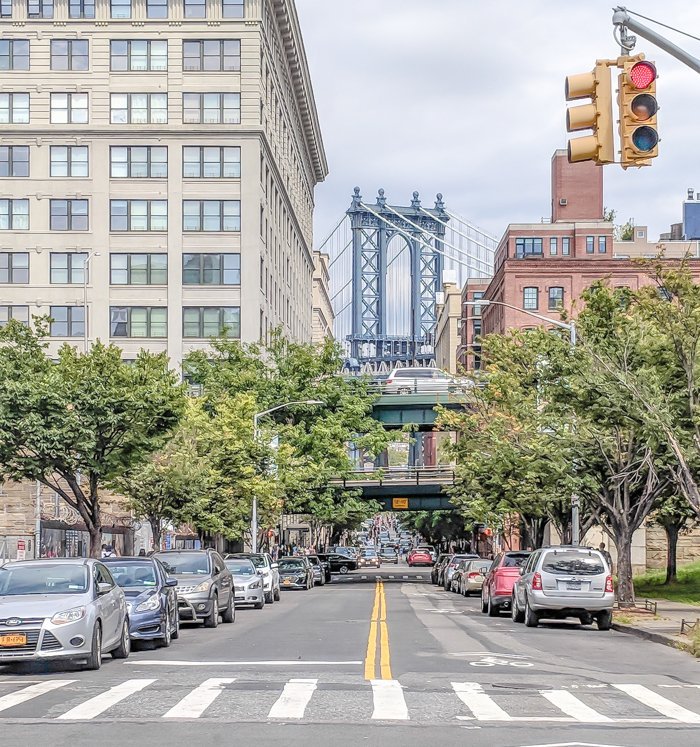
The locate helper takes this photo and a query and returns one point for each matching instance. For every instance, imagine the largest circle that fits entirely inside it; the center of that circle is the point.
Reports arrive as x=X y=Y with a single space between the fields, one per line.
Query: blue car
x=151 y=598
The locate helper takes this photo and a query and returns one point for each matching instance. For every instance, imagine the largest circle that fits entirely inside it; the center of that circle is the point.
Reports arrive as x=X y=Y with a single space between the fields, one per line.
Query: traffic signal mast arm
x=623 y=21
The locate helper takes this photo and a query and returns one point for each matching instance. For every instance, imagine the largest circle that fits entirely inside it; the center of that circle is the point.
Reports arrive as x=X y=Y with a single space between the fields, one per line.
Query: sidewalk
x=664 y=627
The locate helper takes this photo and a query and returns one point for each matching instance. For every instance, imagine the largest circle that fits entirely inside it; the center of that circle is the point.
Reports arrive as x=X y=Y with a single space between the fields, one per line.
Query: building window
x=556 y=298
x=211 y=108
x=156 y=8
x=69 y=108
x=195 y=8
x=69 y=215
x=69 y=54
x=14 y=160
x=553 y=245
x=211 y=215
x=477 y=309
x=138 y=215
x=526 y=247
x=590 y=244
x=211 y=321
x=14 y=267
x=205 y=162
x=139 y=108
x=5 y=8
x=530 y=298
x=138 y=321
x=81 y=8
x=68 y=268
x=18 y=313
x=14 y=54
x=211 y=55
x=120 y=8
x=14 y=215
x=476 y=329
x=69 y=160
x=39 y=8
x=14 y=108
x=138 y=269
x=67 y=321
x=138 y=162
x=211 y=269
x=137 y=55
x=602 y=244
x=565 y=245
x=232 y=8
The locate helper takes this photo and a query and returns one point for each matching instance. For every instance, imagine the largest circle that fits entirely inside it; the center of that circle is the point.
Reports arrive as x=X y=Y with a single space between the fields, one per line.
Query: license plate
x=17 y=639
x=287 y=582
x=573 y=585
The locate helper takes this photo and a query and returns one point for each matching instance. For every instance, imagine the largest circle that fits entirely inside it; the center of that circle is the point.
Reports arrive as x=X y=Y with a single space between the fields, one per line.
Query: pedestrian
x=142 y=552
x=606 y=555
x=103 y=552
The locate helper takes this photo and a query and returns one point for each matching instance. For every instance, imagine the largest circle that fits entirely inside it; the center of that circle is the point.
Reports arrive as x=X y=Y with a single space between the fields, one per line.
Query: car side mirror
x=104 y=588
x=522 y=571
x=171 y=582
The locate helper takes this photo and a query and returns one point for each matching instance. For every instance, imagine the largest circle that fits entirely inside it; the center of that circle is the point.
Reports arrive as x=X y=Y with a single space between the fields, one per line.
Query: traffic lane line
x=385 y=655
x=370 y=657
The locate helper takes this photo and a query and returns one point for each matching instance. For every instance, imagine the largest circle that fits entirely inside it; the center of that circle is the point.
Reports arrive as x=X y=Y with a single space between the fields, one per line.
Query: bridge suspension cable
x=451 y=227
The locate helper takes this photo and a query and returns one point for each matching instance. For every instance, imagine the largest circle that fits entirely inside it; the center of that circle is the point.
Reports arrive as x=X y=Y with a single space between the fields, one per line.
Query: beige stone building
x=639 y=246
x=158 y=160
x=448 y=311
x=322 y=322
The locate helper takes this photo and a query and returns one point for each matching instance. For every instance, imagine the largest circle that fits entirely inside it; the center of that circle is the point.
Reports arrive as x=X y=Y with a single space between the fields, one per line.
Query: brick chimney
x=577 y=189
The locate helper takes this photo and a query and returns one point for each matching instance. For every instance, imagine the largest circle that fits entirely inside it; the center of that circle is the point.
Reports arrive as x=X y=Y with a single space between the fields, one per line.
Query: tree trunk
x=625 y=585
x=95 y=540
x=672 y=552
x=156 y=530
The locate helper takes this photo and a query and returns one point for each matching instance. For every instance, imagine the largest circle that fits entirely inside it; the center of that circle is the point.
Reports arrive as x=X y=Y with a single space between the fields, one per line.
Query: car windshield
x=58 y=578
x=370 y=554
x=313 y=560
x=515 y=561
x=240 y=567
x=566 y=563
x=476 y=566
x=257 y=560
x=388 y=551
x=185 y=563
x=133 y=574
x=291 y=565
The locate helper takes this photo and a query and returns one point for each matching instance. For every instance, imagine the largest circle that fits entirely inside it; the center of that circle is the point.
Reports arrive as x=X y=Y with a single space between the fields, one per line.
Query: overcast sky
x=466 y=97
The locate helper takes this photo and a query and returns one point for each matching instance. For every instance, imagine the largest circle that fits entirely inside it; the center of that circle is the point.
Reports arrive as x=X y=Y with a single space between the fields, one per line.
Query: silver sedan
x=247 y=582
x=62 y=608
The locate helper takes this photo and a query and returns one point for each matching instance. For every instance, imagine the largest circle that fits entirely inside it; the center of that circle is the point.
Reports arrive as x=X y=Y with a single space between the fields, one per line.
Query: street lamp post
x=86 y=266
x=571 y=328
x=256 y=438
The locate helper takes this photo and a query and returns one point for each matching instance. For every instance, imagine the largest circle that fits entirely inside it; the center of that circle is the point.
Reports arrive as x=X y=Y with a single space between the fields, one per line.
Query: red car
x=419 y=557
x=498 y=585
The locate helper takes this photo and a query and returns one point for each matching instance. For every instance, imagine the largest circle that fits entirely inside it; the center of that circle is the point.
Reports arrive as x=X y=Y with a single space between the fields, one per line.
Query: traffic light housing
x=596 y=116
x=636 y=98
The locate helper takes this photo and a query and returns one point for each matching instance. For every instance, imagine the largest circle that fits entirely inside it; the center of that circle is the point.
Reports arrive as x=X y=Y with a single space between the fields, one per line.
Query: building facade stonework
x=323 y=316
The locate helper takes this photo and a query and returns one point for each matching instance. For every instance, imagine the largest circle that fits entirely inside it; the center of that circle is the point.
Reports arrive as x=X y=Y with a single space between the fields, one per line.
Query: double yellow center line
x=378 y=633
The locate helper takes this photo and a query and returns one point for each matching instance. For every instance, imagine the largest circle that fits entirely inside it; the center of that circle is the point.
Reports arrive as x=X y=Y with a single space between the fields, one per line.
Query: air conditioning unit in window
x=563 y=201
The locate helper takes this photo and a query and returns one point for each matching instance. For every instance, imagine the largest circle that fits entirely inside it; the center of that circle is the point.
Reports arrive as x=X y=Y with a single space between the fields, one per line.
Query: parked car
x=430 y=549
x=419 y=557
x=561 y=582
x=296 y=573
x=247 y=582
x=204 y=585
x=498 y=585
x=339 y=563
x=419 y=379
x=436 y=566
x=317 y=569
x=62 y=608
x=388 y=554
x=369 y=559
x=151 y=598
x=471 y=576
x=271 y=578
x=448 y=568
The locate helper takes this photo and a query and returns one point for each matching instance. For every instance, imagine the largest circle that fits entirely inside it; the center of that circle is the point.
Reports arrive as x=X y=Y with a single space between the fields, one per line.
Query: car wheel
x=516 y=615
x=484 y=606
x=586 y=619
x=343 y=569
x=165 y=641
x=604 y=620
x=531 y=618
x=275 y=595
x=176 y=629
x=491 y=609
x=94 y=660
x=229 y=614
x=212 y=619
x=260 y=605
x=269 y=596
x=123 y=650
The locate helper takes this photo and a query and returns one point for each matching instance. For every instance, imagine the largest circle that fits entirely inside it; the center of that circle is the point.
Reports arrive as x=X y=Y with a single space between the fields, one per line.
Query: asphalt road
x=397 y=661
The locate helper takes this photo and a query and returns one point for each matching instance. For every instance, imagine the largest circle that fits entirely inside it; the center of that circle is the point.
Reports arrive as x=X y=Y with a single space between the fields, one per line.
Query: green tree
x=78 y=423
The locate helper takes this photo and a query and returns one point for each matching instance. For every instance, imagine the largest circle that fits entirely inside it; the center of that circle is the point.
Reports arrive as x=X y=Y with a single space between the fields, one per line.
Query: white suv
x=421 y=379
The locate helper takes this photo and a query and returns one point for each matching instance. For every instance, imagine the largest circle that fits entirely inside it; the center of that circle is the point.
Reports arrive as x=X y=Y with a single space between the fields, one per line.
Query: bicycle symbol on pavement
x=504 y=660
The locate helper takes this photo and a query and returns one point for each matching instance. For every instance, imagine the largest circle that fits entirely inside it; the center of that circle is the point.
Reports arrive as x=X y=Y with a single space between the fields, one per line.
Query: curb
x=648 y=635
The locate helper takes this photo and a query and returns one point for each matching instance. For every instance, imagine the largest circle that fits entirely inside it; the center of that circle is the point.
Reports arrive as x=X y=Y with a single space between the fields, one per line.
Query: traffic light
x=636 y=98
x=596 y=116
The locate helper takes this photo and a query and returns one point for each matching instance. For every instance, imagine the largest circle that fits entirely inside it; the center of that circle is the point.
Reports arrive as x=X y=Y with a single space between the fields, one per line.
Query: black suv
x=338 y=563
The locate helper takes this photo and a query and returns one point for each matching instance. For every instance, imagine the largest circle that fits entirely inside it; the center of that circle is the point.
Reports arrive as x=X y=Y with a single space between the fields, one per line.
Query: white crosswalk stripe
x=659 y=703
x=100 y=703
x=479 y=703
x=32 y=691
x=389 y=702
x=198 y=700
x=572 y=706
x=294 y=699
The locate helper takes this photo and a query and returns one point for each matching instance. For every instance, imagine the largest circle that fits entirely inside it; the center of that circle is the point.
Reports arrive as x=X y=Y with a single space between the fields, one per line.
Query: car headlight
x=204 y=586
x=255 y=585
x=152 y=603
x=69 y=616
